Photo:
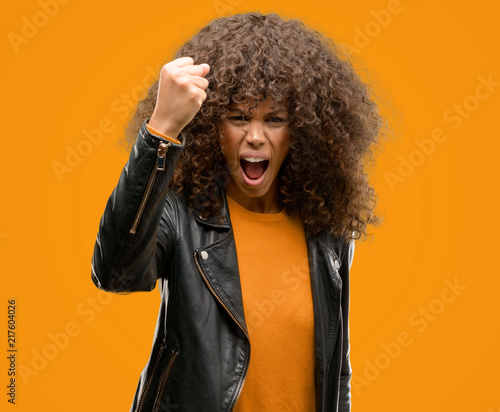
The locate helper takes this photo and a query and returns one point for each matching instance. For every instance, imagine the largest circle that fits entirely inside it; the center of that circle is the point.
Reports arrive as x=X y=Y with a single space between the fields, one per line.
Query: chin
x=254 y=191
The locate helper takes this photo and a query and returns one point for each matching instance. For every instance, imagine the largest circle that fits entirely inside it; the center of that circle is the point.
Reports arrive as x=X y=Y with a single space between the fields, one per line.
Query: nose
x=255 y=135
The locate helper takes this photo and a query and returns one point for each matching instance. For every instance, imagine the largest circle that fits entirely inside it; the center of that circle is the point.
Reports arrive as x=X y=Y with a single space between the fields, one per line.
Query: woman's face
x=255 y=146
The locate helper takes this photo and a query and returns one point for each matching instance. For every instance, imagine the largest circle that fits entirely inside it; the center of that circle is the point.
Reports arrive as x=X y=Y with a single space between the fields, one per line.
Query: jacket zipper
x=234 y=318
x=145 y=390
x=159 y=166
x=164 y=378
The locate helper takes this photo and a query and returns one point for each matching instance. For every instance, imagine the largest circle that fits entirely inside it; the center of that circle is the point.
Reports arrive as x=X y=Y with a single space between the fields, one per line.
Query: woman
x=242 y=197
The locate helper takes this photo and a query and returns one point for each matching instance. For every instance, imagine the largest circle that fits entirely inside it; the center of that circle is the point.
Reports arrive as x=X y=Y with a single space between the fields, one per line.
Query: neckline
x=236 y=208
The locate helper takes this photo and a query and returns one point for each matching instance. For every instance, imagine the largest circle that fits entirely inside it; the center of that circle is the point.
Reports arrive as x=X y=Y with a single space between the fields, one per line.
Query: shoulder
x=178 y=212
x=342 y=248
x=174 y=211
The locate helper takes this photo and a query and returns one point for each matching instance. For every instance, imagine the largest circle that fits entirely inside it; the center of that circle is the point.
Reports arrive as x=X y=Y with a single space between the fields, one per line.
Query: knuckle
x=202 y=98
x=193 y=93
x=166 y=71
x=181 y=80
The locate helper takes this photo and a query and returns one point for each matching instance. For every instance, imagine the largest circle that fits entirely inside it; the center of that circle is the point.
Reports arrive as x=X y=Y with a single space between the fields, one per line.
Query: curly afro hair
x=333 y=121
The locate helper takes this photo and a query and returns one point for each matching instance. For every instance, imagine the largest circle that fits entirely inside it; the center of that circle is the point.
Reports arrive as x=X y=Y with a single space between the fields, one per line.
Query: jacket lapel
x=219 y=263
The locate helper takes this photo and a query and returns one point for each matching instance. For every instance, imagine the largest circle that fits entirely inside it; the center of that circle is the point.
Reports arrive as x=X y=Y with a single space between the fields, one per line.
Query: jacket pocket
x=150 y=399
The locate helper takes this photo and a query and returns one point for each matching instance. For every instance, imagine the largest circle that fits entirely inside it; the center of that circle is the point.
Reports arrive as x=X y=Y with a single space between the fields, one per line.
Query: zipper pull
x=160 y=156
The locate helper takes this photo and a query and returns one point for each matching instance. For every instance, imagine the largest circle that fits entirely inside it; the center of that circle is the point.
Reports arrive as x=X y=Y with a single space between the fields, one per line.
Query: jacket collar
x=214 y=221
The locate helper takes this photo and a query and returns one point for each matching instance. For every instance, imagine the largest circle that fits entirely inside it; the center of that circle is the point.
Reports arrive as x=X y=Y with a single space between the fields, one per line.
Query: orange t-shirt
x=277 y=301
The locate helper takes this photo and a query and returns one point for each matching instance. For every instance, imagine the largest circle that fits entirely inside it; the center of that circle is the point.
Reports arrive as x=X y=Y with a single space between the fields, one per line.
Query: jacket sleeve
x=134 y=236
x=345 y=371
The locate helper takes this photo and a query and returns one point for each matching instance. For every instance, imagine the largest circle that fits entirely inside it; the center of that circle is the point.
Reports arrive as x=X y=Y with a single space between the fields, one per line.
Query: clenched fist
x=181 y=92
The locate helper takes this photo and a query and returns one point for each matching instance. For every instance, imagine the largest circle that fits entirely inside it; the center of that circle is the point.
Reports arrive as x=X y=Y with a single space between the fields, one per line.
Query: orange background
x=417 y=343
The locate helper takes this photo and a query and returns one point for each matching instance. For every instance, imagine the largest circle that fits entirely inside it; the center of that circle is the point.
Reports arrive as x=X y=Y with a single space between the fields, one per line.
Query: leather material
x=201 y=349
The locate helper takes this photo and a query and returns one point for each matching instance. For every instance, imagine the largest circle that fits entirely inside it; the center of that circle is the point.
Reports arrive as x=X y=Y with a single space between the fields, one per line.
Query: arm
x=346 y=371
x=134 y=238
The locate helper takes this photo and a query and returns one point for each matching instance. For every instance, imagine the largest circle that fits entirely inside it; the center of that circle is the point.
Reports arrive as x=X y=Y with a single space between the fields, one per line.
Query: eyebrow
x=234 y=109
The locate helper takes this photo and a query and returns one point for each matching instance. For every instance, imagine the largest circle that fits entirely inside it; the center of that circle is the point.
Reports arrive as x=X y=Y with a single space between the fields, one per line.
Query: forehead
x=267 y=106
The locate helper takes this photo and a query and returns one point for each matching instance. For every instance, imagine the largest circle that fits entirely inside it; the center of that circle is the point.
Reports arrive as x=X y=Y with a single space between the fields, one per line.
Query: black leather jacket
x=201 y=349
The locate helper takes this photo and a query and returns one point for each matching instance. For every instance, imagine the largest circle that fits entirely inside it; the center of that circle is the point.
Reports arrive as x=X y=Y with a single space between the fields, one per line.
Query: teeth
x=253 y=159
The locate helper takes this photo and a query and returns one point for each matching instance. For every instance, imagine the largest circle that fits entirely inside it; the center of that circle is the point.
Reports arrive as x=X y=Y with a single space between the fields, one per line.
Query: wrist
x=164 y=128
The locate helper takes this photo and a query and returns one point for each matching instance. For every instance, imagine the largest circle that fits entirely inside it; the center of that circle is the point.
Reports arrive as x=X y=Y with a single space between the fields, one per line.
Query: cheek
x=284 y=147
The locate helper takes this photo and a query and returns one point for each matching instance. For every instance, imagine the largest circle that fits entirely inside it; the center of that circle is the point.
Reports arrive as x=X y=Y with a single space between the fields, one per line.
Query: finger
x=198 y=81
x=206 y=68
x=196 y=69
x=181 y=61
x=203 y=97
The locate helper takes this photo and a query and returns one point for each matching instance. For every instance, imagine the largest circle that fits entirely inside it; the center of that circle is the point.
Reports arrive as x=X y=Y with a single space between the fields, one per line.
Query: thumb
x=206 y=69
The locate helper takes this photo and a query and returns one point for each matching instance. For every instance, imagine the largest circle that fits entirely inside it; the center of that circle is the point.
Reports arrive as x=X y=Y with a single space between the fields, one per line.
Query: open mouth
x=254 y=168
